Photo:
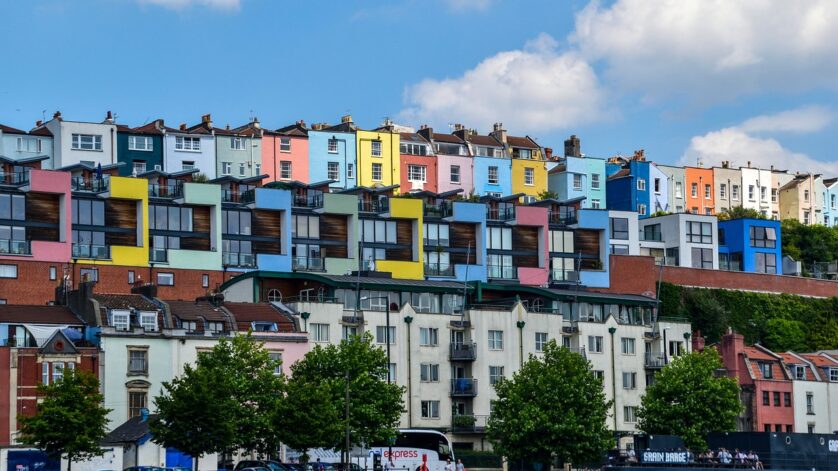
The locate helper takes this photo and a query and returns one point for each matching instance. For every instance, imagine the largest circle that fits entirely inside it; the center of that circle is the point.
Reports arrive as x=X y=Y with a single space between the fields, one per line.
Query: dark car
x=269 y=464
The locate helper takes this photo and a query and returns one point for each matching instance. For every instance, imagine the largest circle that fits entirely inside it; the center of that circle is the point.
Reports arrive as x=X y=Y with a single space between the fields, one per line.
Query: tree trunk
x=194 y=464
x=69 y=464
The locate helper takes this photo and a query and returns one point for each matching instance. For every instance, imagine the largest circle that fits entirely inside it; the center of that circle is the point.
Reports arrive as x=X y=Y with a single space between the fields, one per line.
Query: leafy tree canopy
x=687 y=399
x=739 y=212
x=554 y=406
x=70 y=420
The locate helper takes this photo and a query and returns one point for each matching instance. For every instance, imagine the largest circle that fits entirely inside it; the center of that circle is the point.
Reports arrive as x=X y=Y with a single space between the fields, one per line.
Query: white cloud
x=182 y=4
x=537 y=88
x=737 y=145
x=468 y=5
x=712 y=49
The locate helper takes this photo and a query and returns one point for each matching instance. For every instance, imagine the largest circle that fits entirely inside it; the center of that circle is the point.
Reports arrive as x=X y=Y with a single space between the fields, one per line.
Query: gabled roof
x=10 y=130
x=484 y=140
x=21 y=314
x=155 y=128
x=196 y=310
x=297 y=129
x=247 y=313
x=125 y=301
x=412 y=137
x=525 y=142
x=131 y=431
x=230 y=178
x=27 y=160
x=791 y=359
x=830 y=181
x=200 y=128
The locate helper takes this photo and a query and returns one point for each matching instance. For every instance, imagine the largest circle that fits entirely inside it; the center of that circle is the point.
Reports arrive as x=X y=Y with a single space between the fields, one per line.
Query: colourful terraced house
x=189 y=148
x=18 y=145
x=238 y=153
x=332 y=154
x=140 y=149
x=578 y=177
x=492 y=166
x=378 y=156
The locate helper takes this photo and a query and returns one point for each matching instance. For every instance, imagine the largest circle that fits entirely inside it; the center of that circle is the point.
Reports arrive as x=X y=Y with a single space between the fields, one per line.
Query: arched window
x=274 y=295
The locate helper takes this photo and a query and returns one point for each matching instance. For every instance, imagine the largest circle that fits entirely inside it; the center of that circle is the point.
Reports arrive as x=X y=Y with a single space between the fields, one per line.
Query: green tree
x=70 y=420
x=688 y=399
x=548 y=195
x=554 y=406
x=739 y=212
x=227 y=401
x=316 y=394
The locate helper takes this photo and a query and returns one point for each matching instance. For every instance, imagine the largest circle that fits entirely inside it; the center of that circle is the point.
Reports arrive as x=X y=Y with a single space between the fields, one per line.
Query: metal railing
x=15 y=247
x=564 y=276
x=500 y=214
x=463 y=387
x=502 y=272
x=655 y=360
x=374 y=206
x=463 y=351
x=91 y=251
x=314 y=199
x=651 y=236
x=439 y=269
x=441 y=210
x=562 y=217
x=242 y=197
x=172 y=190
x=468 y=422
x=237 y=259
x=14 y=178
x=92 y=185
x=307 y=263
x=579 y=350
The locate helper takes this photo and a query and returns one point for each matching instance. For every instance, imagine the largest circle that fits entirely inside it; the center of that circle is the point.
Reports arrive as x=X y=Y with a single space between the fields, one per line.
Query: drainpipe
x=520 y=324
x=612 y=331
x=112 y=145
x=408 y=320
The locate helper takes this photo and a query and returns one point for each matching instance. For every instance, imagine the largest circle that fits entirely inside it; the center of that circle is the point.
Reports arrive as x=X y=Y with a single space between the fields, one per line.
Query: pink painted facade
x=293 y=347
x=466 y=164
x=273 y=156
x=54 y=183
x=535 y=216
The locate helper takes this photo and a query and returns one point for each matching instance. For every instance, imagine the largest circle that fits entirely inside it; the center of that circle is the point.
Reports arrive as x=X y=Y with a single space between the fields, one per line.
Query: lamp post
x=665 y=358
x=346 y=464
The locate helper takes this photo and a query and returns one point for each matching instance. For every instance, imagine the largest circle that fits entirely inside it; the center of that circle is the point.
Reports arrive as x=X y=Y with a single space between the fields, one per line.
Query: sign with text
x=664 y=457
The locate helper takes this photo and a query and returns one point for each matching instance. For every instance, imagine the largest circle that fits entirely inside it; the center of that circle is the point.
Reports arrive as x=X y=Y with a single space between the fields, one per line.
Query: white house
x=683 y=239
x=77 y=142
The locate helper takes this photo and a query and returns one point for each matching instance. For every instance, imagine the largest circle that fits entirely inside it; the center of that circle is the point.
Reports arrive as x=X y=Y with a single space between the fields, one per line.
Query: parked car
x=269 y=464
x=255 y=468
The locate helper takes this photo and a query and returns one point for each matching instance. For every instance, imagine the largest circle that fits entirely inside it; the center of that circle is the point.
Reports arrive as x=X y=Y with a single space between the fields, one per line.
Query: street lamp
x=665 y=359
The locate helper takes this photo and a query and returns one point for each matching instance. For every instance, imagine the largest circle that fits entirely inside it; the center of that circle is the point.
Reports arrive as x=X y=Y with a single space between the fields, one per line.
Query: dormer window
x=767 y=371
x=189 y=326
x=148 y=321
x=264 y=326
x=215 y=327
x=523 y=153
x=121 y=320
x=833 y=375
x=799 y=372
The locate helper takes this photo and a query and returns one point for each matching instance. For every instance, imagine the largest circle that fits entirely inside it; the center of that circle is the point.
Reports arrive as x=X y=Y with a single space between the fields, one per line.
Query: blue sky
x=686 y=80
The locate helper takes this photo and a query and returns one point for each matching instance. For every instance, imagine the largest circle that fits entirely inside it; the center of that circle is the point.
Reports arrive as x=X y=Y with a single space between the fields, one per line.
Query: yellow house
x=529 y=169
x=408 y=211
x=378 y=157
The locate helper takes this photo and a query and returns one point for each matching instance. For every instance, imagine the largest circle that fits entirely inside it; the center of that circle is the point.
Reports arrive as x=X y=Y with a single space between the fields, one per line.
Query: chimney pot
x=347 y=118
x=458 y=127
x=548 y=153
x=302 y=123
x=749 y=164
x=57 y=115
x=109 y=116
x=38 y=123
x=182 y=126
x=573 y=147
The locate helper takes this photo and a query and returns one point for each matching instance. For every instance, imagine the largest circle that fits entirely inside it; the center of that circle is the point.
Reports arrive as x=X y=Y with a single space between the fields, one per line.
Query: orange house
x=699 y=195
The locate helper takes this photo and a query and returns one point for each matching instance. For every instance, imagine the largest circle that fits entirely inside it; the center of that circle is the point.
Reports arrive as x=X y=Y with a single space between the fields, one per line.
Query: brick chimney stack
x=109 y=117
x=573 y=147
x=698 y=341
x=347 y=118
x=733 y=345
x=57 y=115
x=207 y=119
x=427 y=132
x=498 y=132
x=548 y=153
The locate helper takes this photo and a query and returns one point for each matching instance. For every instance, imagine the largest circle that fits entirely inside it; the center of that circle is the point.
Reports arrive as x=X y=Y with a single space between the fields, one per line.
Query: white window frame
x=285 y=169
x=242 y=169
x=417 y=173
x=708 y=191
x=429 y=409
x=596 y=203
x=428 y=336
x=187 y=144
x=139 y=166
x=679 y=190
x=628 y=346
x=45 y=373
x=8 y=271
x=57 y=371
x=496 y=374
x=350 y=170
x=146 y=146
x=694 y=190
x=226 y=168
x=577 y=181
x=237 y=143
x=595 y=181
x=285 y=144
x=276 y=355
x=148 y=321
x=319 y=332
x=734 y=192
x=429 y=372
x=87 y=142
x=333 y=171
x=629 y=414
x=377 y=168
x=495 y=340
x=492 y=179
x=28 y=147
x=453 y=173
x=595 y=344
x=375 y=148
x=723 y=190
x=332 y=146
x=165 y=279
x=529 y=176
x=121 y=320
x=381 y=334
x=629 y=380
x=641 y=184
x=641 y=209
x=541 y=339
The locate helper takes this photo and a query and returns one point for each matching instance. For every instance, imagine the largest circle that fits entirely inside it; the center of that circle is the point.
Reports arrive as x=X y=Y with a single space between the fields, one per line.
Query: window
x=787 y=399
x=529 y=176
x=45 y=373
x=417 y=173
x=561 y=241
x=595 y=204
x=140 y=143
x=694 y=190
x=349 y=331
x=215 y=327
x=305 y=227
x=799 y=372
x=429 y=372
x=87 y=142
x=763 y=237
x=702 y=258
x=522 y=153
x=187 y=165
x=137 y=401
x=627 y=346
x=619 y=249
x=137 y=361
x=381 y=334
x=810 y=404
x=188 y=144
x=204 y=281
x=455 y=174
x=699 y=232
x=776 y=395
x=641 y=184
x=375 y=149
x=226 y=168
x=332 y=146
x=833 y=375
x=413 y=149
x=577 y=181
x=774 y=197
x=376 y=172
x=751 y=193
x=320 y=332
x=277 y=358
x=242 y=170
x=285 y=169
x=806 y=196
x=762 y=190
x=139 y=166
x=495 y=374
x=189 y=326
x=428 y=337
x=734 y=192
x=806 y=217
x=332 y=171
x=57 y=371
x=165 y=279
x=766 y=398
x=148 y=321
x=28 y=144
x=237 y=143
x=540 y=341
x=391 y=371
x=285 y=144
x=678 y=190
x=595 y=181
x=629 y=380
x=657 y=185
x=641 y=209
x=89 y=274
x=493 y=175
x=620 y=228
x=599 y=374
x=121 y=320
x=708 y=192
x=629 y=414
x=765 y=369
x=52 y=273
x=723 y=190
x=378 y=231
x=495 y=340
x=430 y=409
x=765 y=263
x=350 y=170
x=595 y=343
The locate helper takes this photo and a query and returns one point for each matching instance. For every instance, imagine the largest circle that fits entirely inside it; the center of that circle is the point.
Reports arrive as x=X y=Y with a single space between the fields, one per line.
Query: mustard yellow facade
x=378 y=158
x=530 y=182
x=408 y=208
x=135 y=189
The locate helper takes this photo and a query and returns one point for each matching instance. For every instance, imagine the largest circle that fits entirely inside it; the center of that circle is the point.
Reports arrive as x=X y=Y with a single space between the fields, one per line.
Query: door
x=458 y=337
x=177 y=459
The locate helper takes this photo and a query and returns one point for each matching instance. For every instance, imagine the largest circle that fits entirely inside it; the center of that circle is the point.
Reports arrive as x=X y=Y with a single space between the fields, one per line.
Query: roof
x=372 y=281
x=247 y=313
x=502 y=198
x=91 y=168
x=551 y=201
x=819 y=360
x=7 y=160
x=161 y=173
x=196 y=310
x=342 y=127
x=125 y=301
x=365 y=189
x=620 y=174
x=20 y=314
x=131 y=431
x=412 y=137
x=41 y=131
x=484 y=140
x=297 y=129
x=230 y=178
x=525 y=142
x=755 y=353
x=792 y=359
x=11 y=130
x=155 y=127
x=450 y=138
x=350 y=281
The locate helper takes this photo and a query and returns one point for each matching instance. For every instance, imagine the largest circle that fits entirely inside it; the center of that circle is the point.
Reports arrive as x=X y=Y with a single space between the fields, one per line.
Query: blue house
x=579 y=177
x=333 y=144
x=492 y=165
x=630 y=185
x=141 y=148
x=750 y=245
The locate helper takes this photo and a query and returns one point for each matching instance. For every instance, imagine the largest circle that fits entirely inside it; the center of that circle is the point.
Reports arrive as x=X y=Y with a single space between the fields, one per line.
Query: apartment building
x=492 y=162
x=455 y=166
x=728 y=187
x=79 y=142
x=419 y=166
x=140 y=149
x=285 y=153
x=189 y=148
x=756 y=190
x=683 y=240
x=699 y=185
x=238 y=152
x=577 y=176
x=18 y=145
x=799 y=199
x=750 y=245
x=676 y=187
x=635 y=184
x=333 y=154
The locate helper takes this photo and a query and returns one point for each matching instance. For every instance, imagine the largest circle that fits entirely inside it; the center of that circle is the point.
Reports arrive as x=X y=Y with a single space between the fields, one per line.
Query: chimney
x=698 y=341
x=548 y=153
x=57 y=115
x=388 y=123
x=427 y=132
x=772 y=168
x=256 y=123
x=109 y=117
x=639 y=155
x=207 y=119
x=498 y=132
x=347 y=118
x=38 y=123
x=458 y=127
x=301 y=123
x=227 y=127
x=182 y=126
x=572 y=147
x=725 y=164
x=733 y=345
x=749 y=164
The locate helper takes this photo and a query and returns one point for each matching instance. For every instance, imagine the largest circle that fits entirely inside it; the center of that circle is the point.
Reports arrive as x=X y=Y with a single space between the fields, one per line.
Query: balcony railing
x=91 y=185
x=439 y=269
x=564 y=276
x=562 y=217
x=655 y=360
x=374 y=206
x=311 y=200
x=241 y=197
x=468 y=423
x=463 y=387
x=15 y=247
x=500 y=214
x=307 y=263
x=651 y=236
x=14 y=178
x=441 y=210
x=237 y=259
x=158 y=255
x=172 y=190
x=579 y=350
x=463 y=351
x=570 y=327
x=502 y=272
x=91 y=251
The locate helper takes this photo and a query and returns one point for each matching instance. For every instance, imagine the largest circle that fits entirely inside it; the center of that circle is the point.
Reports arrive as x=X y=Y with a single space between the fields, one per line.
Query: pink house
x=530 y=232
x=285 y=153
x=455 y=167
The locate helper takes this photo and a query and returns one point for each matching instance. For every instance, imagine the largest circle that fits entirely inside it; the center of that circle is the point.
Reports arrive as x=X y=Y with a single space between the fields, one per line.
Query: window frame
x=77 y=142
x=187 y=144
x=148 y=143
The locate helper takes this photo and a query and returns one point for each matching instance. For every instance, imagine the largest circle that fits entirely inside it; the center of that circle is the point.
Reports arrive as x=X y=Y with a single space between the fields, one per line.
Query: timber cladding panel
x=586 y=242
x=525 y=238
x=201 y=219
x=121 y=214
x=43 y=208
x=404 y=236
x=267 y=224
x=462 y=236
x=335 y=228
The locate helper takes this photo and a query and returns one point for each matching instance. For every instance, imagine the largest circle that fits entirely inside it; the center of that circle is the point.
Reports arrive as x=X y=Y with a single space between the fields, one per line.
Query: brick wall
x=631 y=274
x=749 y=281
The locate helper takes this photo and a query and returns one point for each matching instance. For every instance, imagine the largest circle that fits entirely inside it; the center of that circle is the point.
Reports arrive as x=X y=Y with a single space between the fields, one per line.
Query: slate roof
x=247 y=313
x=524 y=142
x=11 y=130
x=296 y=130
x=620 y=173
x=198 y=311
x=125 y=301
x=129 y=432
x=342 y=127
x=449 y=138
x=791 y=361
x=484 y=140
x=41 y=131
x=20 y=314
